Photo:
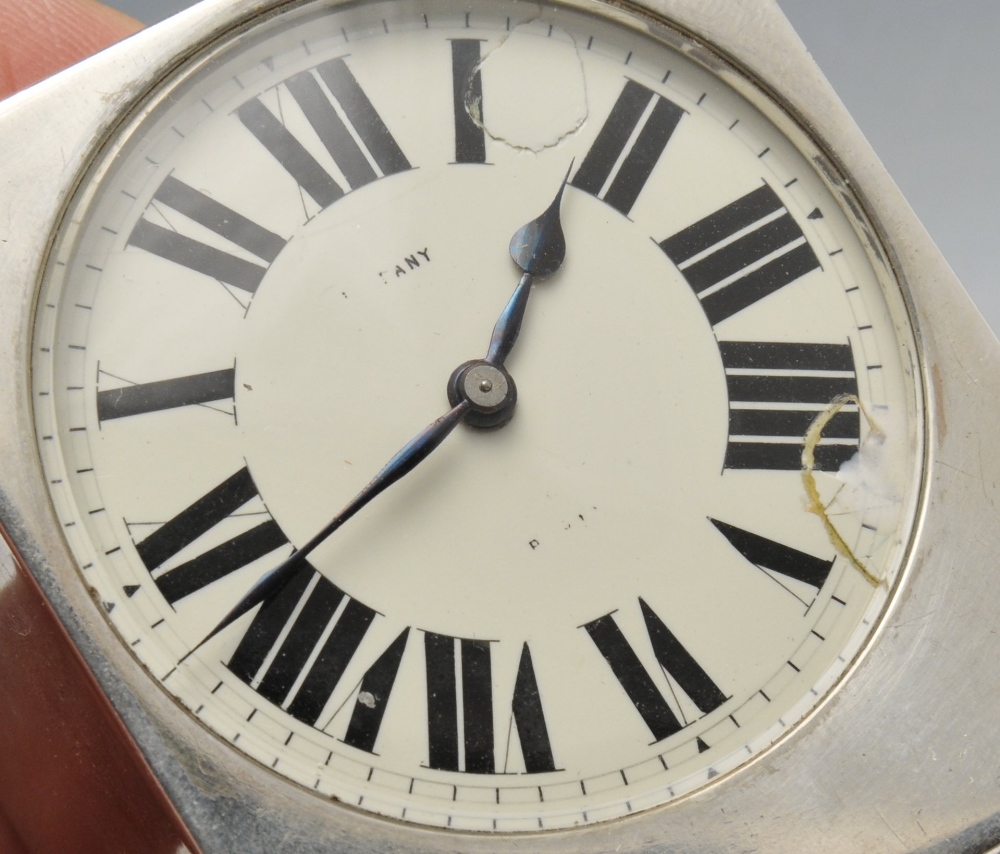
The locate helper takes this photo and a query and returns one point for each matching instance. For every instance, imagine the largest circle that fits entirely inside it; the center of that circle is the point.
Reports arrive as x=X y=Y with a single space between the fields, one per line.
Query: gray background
x=921 y=79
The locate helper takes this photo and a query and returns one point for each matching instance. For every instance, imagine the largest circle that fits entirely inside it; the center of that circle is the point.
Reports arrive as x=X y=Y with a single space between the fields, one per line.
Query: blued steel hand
x=538 y=248
x=409 y=457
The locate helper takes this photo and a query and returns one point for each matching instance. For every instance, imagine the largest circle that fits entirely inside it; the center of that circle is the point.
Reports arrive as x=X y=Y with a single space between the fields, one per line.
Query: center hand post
x=482 y=394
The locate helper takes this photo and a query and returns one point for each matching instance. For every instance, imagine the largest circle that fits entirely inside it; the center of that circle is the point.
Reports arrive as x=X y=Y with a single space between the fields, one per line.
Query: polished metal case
x=904 y=755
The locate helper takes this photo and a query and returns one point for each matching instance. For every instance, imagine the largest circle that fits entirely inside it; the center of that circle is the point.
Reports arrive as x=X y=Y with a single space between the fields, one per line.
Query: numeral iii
x=776 y=391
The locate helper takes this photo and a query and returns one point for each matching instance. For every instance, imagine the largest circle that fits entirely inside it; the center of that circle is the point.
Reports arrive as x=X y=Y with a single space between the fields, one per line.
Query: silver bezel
x=901 y=758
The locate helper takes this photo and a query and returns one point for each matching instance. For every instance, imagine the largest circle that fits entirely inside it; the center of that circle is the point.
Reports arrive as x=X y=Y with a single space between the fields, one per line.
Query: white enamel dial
x=669 y=556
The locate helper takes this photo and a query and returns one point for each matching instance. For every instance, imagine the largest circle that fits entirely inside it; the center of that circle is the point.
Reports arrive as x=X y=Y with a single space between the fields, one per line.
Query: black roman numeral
x=373 y=696
x=300 y=673
x=740 y=254
x=377 y=155
x=193 y=522
x=467 y=90
x=677 y=663
x=198 y=256
x=444 y=704
x=526 y=709
x=767 y=555
x=776 y=391
x=615 y=170
x=157 y=396
x=445 y=658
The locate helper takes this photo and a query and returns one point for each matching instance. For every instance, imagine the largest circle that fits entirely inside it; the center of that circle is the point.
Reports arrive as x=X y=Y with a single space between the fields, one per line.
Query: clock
x=469 y=426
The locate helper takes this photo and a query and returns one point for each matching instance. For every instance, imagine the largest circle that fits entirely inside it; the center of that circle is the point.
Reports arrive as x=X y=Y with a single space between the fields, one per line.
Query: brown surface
x=40 y=37
x=72 y=780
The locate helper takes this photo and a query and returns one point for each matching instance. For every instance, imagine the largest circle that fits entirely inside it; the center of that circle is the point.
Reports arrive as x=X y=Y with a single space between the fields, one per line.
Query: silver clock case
x=902 y=757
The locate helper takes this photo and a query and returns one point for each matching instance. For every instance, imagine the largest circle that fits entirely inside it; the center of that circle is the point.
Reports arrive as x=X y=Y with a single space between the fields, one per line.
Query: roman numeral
x=444 y=705
x=373 y=696
x=678 y=664
x=767 y=555
x=359 y=142
x=467 y=91
x=776 y=391
x=526 y=709
x=156 y=396
x=628 y=147
x=197 y=520
x=452 y=660
x=192 y=253
x=300 y=643
x=740 y=254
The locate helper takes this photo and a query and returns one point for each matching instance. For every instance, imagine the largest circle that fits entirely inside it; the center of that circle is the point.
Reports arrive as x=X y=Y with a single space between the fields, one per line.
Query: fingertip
x=42 y=37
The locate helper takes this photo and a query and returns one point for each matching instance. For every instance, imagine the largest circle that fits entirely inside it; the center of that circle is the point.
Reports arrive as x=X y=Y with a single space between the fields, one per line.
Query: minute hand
x=409 y=457
x=539 y=249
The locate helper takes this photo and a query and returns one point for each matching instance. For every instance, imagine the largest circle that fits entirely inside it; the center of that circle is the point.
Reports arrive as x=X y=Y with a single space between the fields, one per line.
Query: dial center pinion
x=489 y=389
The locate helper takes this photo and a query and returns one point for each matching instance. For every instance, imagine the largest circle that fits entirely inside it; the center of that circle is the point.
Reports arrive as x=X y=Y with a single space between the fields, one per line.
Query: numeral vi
x=460 y=694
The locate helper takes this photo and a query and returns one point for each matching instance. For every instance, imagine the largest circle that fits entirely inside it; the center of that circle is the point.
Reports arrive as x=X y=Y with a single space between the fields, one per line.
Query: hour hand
x=539 y=249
